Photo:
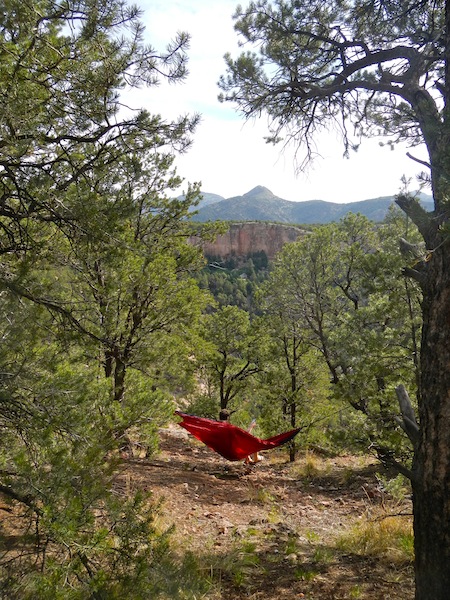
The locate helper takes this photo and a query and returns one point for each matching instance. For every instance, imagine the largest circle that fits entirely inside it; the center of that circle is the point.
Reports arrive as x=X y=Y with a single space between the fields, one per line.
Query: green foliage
x=310 y=71
x=126 y=558
x=234 y=281
x=203 y=405
x=60 y=80
x=78 y=528
x=397 y=487
x=99 y=306
x=98 y=303
x=228 y=361
x=294 y=395
x=337 y=295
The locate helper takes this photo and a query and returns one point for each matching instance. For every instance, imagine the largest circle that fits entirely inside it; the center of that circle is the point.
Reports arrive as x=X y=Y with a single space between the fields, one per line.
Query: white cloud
x=230 y=156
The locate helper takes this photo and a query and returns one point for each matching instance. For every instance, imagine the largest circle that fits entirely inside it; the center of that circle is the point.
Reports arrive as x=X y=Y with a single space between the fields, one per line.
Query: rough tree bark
x=431 y=470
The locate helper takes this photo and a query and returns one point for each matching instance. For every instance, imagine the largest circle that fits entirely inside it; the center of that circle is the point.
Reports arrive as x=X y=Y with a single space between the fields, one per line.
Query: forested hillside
x=260 y=204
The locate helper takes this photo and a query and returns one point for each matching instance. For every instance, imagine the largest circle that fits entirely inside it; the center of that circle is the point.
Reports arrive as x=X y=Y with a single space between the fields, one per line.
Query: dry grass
x=382 y=535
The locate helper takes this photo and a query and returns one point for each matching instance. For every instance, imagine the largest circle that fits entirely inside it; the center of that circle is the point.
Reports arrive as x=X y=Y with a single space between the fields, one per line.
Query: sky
x=229 y=155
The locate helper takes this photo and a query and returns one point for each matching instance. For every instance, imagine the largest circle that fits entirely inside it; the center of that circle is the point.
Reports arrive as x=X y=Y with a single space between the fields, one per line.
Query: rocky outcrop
x=247 y=238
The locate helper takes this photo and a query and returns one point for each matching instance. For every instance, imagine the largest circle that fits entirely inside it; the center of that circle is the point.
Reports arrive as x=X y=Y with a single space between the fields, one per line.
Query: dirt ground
x=274 y=531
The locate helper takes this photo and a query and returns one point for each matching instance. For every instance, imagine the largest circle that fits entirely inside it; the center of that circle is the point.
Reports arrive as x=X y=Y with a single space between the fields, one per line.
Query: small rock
x=292 y=558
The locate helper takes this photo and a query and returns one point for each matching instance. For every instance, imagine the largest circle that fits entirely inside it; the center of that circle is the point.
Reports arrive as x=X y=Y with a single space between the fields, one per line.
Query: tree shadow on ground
x=283 y=567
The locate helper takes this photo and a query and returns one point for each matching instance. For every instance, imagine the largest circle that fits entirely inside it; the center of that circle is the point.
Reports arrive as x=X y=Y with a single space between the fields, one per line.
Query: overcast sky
x=229 y=156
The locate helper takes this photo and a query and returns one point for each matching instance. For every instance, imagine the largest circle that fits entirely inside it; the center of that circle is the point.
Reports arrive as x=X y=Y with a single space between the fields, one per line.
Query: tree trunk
x=431 y=482
x=292 y=444
x=119 y=380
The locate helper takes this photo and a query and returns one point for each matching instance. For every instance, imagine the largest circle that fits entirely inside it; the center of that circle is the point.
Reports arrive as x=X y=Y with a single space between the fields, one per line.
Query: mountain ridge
x=260 y=204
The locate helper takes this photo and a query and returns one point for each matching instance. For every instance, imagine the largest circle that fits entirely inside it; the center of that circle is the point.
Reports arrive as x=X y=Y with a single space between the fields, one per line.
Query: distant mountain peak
x=259 y=191
x=260 y=204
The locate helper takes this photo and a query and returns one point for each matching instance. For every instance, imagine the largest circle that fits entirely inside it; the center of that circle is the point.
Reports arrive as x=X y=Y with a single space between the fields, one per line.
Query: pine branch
x=418 y=215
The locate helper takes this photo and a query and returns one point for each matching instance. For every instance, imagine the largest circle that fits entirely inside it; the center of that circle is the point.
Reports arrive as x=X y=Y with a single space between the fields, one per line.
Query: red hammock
x=231 y=442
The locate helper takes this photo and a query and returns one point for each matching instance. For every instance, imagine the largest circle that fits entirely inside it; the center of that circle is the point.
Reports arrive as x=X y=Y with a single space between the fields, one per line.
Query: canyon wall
x=246 y=238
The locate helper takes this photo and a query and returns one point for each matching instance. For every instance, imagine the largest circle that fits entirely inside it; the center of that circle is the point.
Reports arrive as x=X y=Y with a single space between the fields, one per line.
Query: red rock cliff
x=245 y=238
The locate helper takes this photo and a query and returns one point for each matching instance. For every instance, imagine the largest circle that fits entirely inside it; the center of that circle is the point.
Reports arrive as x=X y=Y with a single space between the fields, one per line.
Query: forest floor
x=322 y=528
